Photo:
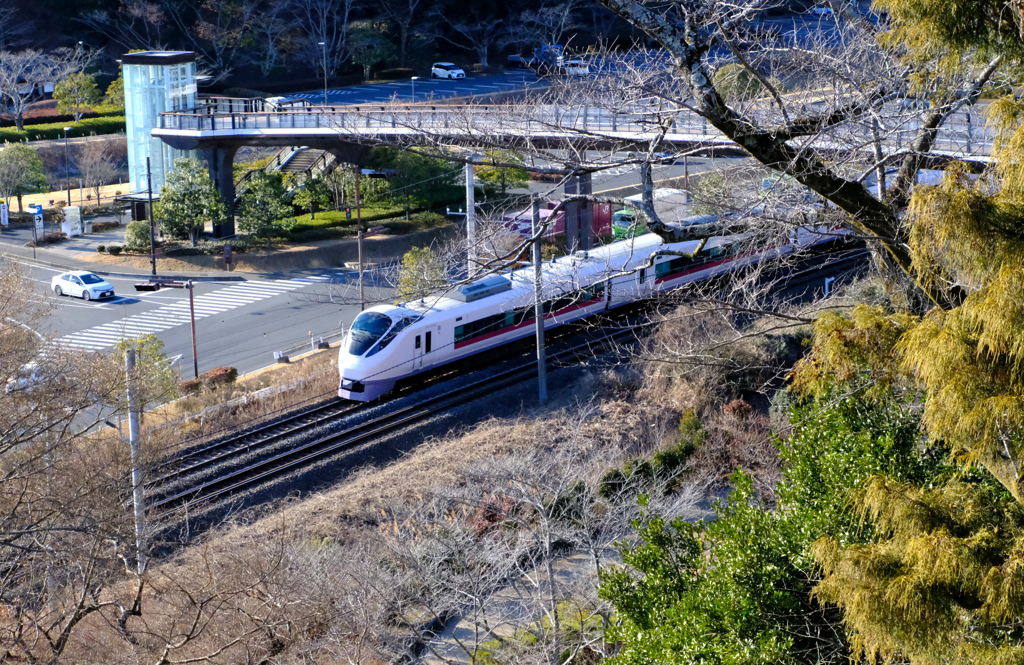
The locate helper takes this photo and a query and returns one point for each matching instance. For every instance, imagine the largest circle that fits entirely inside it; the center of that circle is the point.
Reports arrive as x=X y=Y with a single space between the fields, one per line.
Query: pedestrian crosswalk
x=175 y=314
x=316 y=279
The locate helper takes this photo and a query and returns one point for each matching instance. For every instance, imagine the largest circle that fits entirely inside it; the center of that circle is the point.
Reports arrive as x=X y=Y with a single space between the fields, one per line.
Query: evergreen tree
x=264 y=211
x=21 y=172
x=76 y=94
x=313 y=194
x=421 y=273
x=188 y=200
x=503 y=172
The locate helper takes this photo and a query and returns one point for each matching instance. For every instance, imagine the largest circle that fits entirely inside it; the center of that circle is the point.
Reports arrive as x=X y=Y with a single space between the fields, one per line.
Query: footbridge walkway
x=220 y=127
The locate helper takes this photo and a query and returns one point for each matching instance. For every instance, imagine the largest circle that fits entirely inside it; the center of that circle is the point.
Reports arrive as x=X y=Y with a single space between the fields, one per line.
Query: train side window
x=428 y=341
x=418 y=341
x=643 y=276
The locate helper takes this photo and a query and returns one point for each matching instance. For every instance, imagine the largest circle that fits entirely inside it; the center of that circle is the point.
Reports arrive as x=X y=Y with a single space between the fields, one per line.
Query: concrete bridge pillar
x=220 y=160
x=572 y=215
x=586 y=188
x=579 y=215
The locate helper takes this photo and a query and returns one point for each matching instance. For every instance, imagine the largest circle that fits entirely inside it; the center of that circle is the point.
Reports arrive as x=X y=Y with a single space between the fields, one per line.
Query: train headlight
x=352 y=386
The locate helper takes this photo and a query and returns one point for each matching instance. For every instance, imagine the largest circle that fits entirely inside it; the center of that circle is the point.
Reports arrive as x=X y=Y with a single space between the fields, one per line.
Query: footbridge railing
x=961 y=134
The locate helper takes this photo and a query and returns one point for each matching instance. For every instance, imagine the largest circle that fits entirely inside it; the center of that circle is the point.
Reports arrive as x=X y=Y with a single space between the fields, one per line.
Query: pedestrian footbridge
x=221 y=126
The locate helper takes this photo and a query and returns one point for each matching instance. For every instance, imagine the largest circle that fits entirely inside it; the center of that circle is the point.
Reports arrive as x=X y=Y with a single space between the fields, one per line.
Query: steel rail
x=290 y=460
x=296 y=458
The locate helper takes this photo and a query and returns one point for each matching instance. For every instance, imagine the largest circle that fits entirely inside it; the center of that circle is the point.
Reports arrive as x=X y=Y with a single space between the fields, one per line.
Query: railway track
x=262 y=436
x=285 y=462
x=279 y=464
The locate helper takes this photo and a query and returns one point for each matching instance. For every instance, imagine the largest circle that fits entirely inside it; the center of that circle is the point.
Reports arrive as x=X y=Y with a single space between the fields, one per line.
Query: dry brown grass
x=313 y=378
x=311 y=555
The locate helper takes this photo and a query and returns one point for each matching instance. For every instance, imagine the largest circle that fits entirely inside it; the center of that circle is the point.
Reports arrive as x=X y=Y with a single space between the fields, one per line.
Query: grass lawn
x=333 y=224
x=334 y=218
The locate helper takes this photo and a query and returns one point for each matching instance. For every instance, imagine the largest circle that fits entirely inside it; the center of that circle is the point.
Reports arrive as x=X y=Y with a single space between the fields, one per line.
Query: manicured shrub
x=219 y=376
x=136 y=236
x=47 y=239
x=429 y=219
x=114 y=250
x=101 y=248
x=190 y=386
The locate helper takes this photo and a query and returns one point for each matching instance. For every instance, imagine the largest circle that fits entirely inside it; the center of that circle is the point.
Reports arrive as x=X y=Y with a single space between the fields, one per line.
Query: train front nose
x=360 y=378
x=359 y=391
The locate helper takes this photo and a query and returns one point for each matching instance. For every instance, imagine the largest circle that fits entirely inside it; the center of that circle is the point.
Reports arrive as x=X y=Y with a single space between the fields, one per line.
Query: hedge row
x=55 y=130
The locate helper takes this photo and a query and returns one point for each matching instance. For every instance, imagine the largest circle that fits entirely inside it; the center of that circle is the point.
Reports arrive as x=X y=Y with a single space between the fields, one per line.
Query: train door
x=426 y=354
x=418 y=351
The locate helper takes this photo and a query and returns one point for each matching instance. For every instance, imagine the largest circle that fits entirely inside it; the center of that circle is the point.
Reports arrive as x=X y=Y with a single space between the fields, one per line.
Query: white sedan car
x=82 y=284
x=446 y=70
x=575 y=67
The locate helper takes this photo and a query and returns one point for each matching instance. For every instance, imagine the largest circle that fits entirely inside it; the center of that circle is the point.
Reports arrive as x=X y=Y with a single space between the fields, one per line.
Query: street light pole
x=359 y=239
x=324 y=45
x=192 y=311
x=152 y=229
x=414 y=79
x=67 y=165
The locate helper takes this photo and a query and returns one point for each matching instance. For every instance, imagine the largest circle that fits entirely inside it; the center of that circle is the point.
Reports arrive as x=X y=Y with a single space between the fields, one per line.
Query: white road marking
x=174 y=314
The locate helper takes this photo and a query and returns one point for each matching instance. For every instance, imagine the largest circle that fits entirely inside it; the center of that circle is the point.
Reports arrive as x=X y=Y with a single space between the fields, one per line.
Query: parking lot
x=425 y=89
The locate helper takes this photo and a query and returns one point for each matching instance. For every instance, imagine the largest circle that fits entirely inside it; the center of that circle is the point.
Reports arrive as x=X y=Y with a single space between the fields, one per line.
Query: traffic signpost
x=170 y=284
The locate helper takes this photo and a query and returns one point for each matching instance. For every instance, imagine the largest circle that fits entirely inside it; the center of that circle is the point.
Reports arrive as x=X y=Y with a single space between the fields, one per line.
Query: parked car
x=446 y=70
x=26 y=379
x=82 y=284
x=575 y=67
x=821 y=10
x=656 y=158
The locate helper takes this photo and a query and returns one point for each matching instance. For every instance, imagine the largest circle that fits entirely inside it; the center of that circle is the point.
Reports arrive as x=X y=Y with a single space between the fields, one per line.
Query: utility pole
x=152 y=232
x=67 y=165
x=137 y=483
x=538 y=306
x=192 y=311
x=359 y=238
x=470 y=221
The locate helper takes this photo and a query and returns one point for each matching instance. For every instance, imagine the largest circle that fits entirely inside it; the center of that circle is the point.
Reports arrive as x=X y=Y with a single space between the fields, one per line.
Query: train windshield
x=366 y=330
x=399 y=326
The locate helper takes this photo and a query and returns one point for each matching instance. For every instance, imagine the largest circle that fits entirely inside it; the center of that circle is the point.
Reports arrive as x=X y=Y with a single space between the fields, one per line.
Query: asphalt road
x=238 y=323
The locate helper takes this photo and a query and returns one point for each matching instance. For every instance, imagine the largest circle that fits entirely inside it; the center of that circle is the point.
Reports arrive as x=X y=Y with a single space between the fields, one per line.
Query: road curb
x=170 y=278
x=26 y=256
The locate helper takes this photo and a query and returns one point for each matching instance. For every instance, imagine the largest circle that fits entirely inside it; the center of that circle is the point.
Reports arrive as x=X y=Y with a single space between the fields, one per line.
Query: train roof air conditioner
x=481 y=288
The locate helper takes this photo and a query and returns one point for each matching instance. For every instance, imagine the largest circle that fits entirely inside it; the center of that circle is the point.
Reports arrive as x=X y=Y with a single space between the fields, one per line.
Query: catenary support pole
x=192 y=311
x=152 y=232
x=359 y=239
x=538 y=307
x=470 y=221
x=138 y=486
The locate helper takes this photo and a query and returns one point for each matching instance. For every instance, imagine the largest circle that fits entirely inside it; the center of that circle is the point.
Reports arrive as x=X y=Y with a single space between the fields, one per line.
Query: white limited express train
x=389 y=343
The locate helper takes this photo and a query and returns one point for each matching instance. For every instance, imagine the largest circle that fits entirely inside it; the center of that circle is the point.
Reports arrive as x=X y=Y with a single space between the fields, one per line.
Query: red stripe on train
x=530 y=322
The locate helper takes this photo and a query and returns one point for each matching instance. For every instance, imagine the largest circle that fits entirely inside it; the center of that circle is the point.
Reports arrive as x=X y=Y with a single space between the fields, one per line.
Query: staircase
x=304 y=160
x=291 y=160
